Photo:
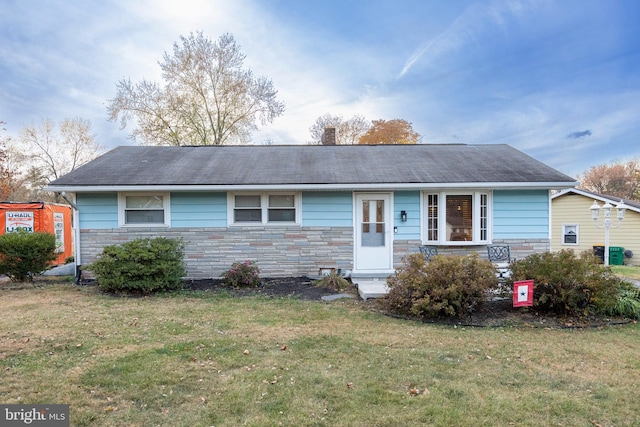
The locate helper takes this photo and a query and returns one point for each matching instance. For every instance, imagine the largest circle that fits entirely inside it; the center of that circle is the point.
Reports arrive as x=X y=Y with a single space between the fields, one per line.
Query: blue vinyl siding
x=327 y=209
x=407 y=201
x=198 y=209
x=521 y=214
x=99 y=210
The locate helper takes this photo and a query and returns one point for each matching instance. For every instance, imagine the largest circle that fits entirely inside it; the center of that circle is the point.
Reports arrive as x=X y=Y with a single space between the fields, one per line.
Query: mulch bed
x=286 y=287
x=495 y=313
x=501 y=313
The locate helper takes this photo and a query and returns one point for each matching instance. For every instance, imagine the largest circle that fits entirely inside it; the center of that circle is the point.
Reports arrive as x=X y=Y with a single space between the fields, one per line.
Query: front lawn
x=627 y=271
x=197 y=359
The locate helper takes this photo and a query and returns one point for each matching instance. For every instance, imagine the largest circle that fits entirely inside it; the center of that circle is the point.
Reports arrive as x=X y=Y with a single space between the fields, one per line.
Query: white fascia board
x=572 y=190
x=593 y=196
x=302 y=187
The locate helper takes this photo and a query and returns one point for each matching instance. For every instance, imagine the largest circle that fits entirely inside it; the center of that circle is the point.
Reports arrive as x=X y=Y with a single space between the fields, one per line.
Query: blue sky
x=559 y=80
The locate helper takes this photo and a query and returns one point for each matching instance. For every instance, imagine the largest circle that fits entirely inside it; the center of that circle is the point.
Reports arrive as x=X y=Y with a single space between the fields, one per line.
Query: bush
x=242 y=275
x=627 y=302
x=333 y=281
x=143 y=265
x=447 y=286
x=568 y=284
x=24 y=254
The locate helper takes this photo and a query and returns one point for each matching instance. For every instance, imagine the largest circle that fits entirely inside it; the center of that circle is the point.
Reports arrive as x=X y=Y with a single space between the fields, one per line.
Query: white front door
x=374 y=245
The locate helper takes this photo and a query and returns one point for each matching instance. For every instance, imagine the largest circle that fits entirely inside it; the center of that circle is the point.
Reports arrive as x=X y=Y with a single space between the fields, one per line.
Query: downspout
x=76 y=237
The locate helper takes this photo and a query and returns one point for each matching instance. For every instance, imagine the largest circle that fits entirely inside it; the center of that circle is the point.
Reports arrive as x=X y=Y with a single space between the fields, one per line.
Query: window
x=569 y=234
x=455 y=218
x=263 y=208
x=484 y=217
x=282 y=208
x=432 y=217
x=247 y=209
x=459 y=217
x=143 y=209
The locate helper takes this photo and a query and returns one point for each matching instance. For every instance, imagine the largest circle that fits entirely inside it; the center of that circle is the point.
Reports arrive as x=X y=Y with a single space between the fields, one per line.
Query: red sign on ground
x=523 y=293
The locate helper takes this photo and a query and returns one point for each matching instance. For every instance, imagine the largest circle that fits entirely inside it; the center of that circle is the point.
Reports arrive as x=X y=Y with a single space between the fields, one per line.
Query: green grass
x=201 y=359
x=628 y=271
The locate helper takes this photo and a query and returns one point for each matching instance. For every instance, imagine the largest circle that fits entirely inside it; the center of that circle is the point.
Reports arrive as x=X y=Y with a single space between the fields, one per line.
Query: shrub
x=627 y=302
x=24 y=254
x=143 y=265
x=447 y=286
x=242 y=275
x=333 y=281
x=568 y=284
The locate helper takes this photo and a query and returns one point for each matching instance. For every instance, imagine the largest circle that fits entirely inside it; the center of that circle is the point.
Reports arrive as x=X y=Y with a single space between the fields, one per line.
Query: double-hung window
x=143 y=209
x=569 y=234
x=264 y=208
x=457 y=218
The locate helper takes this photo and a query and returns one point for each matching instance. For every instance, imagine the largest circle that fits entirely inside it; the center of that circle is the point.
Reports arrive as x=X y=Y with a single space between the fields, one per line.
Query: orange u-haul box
x=43 y=217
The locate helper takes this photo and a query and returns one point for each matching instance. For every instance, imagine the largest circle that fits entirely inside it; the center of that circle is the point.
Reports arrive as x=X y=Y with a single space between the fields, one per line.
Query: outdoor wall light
x=403 y=216
x=606 y=222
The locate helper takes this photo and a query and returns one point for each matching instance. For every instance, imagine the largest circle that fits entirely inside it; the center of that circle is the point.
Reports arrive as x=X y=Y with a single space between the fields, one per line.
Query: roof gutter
x=301 y=187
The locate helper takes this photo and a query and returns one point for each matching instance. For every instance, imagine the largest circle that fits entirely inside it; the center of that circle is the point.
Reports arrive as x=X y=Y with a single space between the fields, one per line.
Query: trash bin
x=616 y=255
x=599 y=252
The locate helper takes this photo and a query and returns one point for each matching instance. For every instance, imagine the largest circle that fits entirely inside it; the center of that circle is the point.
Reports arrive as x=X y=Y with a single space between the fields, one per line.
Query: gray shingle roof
x=264 y=165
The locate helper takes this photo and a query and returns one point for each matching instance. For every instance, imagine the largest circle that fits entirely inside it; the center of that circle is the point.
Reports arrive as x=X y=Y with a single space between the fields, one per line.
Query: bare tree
x=615 y=179
x=6 y=176
x=207 y=97
x=45 y=152
x=396 y=131
x=347 y=131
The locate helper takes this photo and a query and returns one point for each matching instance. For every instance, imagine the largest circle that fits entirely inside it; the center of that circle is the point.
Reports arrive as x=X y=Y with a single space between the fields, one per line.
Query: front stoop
x=371 y=287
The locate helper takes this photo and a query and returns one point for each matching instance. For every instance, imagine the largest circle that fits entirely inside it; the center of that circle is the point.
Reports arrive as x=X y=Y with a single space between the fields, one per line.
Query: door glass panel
x=365 y=216
x=373 y=232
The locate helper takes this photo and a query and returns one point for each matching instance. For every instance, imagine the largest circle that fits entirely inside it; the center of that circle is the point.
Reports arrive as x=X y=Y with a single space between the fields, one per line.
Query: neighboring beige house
x=572 y=226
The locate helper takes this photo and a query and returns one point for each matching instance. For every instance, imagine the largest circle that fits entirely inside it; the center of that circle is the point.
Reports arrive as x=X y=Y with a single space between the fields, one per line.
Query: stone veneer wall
x=278 y=252
x=518 y=248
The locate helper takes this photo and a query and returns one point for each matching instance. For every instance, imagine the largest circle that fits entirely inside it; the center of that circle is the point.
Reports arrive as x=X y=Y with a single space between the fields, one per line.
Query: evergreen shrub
x=24 y=255
x=141 y=266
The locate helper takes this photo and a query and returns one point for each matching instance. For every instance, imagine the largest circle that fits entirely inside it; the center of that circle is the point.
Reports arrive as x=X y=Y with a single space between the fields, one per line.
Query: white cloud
x=467 y=29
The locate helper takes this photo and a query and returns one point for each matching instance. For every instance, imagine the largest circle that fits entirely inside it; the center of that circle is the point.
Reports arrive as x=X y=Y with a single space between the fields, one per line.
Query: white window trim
x=442 y=223
x=564 y=226
x=166 y=203
x=264 y=206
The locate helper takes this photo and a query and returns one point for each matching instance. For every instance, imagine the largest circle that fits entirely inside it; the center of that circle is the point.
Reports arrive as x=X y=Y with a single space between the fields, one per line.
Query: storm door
x=373 y=233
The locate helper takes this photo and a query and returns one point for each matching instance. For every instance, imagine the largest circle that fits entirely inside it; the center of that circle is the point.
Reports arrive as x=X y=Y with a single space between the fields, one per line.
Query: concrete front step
x=371 y=287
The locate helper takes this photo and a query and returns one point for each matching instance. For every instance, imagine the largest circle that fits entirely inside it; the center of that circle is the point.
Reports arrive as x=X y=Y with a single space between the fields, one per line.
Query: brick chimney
x=329 y=136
